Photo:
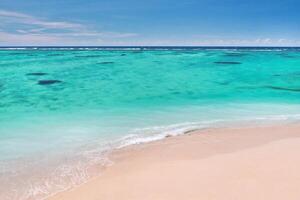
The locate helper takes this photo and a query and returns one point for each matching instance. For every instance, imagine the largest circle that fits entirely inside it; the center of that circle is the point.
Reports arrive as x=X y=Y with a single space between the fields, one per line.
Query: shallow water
x=61 y=110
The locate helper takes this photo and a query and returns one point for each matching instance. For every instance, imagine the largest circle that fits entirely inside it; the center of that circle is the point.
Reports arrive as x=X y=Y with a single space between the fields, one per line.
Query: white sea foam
x=149 y=134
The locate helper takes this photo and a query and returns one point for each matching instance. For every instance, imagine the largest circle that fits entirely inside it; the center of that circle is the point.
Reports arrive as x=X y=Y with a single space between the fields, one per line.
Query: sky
x=150 y=22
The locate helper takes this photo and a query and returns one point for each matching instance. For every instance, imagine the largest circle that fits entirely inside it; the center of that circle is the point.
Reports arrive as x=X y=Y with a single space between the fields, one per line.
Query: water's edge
x=174 y=131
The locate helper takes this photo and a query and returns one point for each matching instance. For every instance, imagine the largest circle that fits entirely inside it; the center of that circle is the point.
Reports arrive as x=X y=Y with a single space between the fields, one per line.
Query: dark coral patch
x=48 y=82
x=56 y=54
x=228 y=63
x=90 y=56
x=105 y=63
x=294 y=74
x=235 y=54
x=286 y=55
x=36 y=74
x=283 y=88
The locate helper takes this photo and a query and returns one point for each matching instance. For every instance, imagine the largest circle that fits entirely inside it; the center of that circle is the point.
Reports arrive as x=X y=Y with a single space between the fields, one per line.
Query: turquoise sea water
x=63 y=109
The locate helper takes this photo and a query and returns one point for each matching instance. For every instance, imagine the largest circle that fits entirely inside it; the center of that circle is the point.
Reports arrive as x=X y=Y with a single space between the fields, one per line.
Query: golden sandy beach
x=261 y=163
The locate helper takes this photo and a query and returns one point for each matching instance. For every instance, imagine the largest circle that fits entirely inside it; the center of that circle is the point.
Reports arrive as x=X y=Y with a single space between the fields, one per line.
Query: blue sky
x=150 y=22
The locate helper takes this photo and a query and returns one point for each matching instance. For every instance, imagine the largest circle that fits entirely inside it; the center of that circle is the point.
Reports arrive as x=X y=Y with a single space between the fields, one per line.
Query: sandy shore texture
x=261 y=163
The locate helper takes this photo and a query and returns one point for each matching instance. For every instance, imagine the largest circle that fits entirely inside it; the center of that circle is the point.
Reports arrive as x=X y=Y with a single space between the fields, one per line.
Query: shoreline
x=193 y=159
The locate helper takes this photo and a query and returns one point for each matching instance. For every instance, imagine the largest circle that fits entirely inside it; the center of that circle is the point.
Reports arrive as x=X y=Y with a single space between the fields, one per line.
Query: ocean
x=63 y=109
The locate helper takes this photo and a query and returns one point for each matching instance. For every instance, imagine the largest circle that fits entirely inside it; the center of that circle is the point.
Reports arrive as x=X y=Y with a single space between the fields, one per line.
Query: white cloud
x=27 y=39
x=207 y=42
x=16 y=17
x=5 y=13
x=24 y=29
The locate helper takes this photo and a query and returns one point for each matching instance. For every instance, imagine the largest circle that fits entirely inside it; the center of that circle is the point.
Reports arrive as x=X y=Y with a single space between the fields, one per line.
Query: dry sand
x=261 y=163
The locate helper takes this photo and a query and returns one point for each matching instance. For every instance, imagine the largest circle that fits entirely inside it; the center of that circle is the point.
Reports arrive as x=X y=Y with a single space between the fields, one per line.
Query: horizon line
x=145 y=46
